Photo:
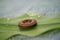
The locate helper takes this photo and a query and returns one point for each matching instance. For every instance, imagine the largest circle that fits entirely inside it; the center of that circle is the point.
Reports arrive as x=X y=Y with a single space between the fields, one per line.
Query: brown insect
x=27 y=23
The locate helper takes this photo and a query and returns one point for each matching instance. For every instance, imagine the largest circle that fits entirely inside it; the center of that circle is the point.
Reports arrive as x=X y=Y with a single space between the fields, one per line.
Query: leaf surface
x=9 y=26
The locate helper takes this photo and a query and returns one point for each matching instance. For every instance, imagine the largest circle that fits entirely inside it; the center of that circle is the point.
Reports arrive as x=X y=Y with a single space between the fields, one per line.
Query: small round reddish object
x=27 y=23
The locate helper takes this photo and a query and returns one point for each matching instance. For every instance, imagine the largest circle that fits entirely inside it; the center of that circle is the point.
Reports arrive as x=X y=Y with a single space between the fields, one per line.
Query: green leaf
x=9 y=26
